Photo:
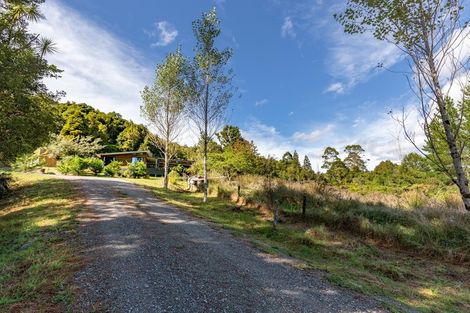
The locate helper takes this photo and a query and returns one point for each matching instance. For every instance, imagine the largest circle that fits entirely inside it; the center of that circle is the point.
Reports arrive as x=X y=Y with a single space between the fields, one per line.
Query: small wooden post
x=304 y=205
x=238 y=192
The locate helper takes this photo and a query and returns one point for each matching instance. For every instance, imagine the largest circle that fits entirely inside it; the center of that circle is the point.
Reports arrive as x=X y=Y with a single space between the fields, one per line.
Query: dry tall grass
x=435 y=226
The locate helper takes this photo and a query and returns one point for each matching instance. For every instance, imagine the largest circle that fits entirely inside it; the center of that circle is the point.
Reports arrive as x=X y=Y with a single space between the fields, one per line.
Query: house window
x=136 y=159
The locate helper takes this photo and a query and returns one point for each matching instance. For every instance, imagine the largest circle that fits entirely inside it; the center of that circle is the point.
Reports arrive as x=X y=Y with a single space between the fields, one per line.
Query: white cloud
x=355 y=58
x=335 y=88
x=287 y=28
x=380 y=135
x=99 y=69
x=261 y=102
x=166 y=34
x=314 y=135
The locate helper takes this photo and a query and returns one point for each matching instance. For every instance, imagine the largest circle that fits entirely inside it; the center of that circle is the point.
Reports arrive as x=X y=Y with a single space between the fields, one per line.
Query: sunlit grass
x=405 y=278
x=35 y=260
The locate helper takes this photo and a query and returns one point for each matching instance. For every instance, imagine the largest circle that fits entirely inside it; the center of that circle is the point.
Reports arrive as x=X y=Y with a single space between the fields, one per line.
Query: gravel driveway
x=146 y=256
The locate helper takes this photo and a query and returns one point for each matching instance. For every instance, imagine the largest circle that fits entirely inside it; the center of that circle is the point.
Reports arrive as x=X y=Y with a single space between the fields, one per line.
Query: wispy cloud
x=354 y=59
x=261 y=102
x=351 y=59
x=314 y=135
x=335 y=88
x=287 y=28
x=99 y=69
x=379 y=135
x=165 y=32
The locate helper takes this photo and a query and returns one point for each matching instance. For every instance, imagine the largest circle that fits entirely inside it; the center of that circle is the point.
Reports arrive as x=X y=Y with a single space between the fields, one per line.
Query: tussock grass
x=36 y=262
x=407 y=258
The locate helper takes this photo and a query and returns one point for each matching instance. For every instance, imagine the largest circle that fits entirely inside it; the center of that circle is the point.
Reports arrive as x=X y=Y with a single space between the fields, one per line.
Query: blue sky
x=303 y=84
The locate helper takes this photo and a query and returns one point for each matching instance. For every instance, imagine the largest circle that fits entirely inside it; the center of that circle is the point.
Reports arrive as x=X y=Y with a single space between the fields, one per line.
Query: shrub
x=173 y=176
x=113 y=168
x=26 y=163
x=95 y=165
x=5 y=180
x=72 y=165
x=137 y=170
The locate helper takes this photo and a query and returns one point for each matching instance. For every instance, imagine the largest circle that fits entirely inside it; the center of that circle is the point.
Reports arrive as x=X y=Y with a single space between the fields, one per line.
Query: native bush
x=72 y=165
x=26 y=163
x=113 y=168
x=137 y=170
x=173 y=176
x=95 y=165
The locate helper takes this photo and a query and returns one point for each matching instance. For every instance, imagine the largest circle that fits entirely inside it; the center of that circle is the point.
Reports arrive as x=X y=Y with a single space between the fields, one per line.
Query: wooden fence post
x=238 y=192
x=304 y=205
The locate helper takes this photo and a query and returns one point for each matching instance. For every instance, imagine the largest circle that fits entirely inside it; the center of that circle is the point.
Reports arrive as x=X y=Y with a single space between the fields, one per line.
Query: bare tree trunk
x=167 y=143
x=165 y=171
x=206 y=122
x=461 y=180
x=206 y=181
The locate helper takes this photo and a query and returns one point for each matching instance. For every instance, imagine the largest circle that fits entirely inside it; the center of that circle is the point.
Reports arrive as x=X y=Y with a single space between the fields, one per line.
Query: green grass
x=398 y=276
x=36 y=263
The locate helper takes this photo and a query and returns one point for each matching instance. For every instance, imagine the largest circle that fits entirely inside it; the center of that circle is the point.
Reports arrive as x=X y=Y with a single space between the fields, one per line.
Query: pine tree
x=307 y=166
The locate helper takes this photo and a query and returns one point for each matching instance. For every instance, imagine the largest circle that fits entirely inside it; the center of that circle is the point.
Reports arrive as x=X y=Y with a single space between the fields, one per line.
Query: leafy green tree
x=233 y=161
x=436 y=145
x=289 y=167
x=384 y=173
x=26 y=106
x=287 y=157
x=238 y=155
x=229 y=135
x=354 y=159
x=61 y=146
x=429 y=32
x=307 y=171
x=330 y=156
x=307 y=165
x=164 y=105
x=338 y=172
x=414 y=162
x=295 y=159
x=82 y=120
x=132 y=137
x=211 y=81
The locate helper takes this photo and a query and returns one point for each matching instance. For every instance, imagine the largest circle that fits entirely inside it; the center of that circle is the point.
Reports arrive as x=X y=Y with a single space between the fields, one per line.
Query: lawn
x=400 y=278
x=37 y=221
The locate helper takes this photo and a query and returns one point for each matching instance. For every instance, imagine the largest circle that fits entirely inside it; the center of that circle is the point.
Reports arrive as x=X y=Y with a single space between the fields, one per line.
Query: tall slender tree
x=164 y=103
x=431 y=33
x=307 y=164
x=211 y=83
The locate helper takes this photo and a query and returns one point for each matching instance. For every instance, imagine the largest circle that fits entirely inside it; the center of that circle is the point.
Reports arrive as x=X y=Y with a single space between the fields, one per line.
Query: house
x=128 y=157
x=154 y=165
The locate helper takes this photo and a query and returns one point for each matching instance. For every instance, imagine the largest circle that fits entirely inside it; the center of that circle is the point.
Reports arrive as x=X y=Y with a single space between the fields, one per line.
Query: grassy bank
x=349 y=240
x=36 y=263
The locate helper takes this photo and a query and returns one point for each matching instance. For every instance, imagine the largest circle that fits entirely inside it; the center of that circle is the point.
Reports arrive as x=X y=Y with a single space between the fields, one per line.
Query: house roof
x=125 y=152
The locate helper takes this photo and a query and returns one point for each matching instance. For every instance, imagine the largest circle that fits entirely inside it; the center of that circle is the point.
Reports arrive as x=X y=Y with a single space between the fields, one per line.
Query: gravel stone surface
x=143 y=255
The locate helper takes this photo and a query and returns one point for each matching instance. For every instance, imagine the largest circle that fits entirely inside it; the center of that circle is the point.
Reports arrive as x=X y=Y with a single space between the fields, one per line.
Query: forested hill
x=78 y=120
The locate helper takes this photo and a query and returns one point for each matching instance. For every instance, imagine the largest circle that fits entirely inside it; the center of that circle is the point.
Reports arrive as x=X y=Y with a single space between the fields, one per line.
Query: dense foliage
x=26 y=106
x=111 y=130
